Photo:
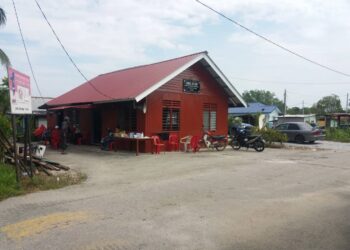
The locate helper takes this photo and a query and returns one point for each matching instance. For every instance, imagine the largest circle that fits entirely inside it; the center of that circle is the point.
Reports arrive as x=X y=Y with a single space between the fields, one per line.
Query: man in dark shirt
x=64 y=134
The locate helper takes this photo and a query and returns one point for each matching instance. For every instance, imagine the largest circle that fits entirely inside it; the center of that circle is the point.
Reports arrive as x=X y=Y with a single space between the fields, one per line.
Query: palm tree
x=2 y=17
x=4 y=60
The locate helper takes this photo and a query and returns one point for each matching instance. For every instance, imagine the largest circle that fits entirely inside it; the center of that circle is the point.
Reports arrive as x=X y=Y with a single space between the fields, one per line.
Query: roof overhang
x=86 y=106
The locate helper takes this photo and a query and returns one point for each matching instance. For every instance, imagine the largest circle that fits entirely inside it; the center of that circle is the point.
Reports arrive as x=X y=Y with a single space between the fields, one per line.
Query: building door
x=96 y=125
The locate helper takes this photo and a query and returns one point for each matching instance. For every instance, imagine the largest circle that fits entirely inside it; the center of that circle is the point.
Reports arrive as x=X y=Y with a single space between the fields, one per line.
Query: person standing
x=64 y=134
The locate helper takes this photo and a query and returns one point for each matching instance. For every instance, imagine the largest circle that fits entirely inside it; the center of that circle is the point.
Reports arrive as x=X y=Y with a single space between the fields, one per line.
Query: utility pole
x=285 y=102
x=347 y=103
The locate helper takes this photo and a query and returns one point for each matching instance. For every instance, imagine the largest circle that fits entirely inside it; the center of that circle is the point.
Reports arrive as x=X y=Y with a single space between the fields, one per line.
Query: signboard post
x=21 y=104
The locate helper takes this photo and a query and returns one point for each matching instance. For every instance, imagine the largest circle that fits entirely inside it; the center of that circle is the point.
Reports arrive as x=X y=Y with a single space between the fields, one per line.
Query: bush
x=337 y=134
x=5 y=125
x=8 y=184
x=234 y=121
x=271 y=135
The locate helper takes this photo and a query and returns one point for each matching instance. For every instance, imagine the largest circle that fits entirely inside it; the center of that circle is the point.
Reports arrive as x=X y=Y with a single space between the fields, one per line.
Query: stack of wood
x=38 y=164
x=46 y=166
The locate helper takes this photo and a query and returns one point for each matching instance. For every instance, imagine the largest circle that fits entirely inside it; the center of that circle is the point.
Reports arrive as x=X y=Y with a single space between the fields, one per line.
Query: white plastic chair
x=185 y=141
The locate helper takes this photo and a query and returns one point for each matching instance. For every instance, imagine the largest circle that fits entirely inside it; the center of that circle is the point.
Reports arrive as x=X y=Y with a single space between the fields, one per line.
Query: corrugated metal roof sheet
x=253 y=108
x=39 y=101
x=124 y=84
x=138 y=82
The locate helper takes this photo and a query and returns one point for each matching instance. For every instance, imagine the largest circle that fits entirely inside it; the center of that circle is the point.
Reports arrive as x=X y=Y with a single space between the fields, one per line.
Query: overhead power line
x=25 y=49
x=287 y=82
x=272 y=42
x=68 y=55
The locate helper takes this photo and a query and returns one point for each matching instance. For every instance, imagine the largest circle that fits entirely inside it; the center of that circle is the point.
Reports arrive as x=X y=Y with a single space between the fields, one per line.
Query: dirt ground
x=295 y=198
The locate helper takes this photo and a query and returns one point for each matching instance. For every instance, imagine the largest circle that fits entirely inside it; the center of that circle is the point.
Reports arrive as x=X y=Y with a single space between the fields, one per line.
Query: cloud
x=107 y=35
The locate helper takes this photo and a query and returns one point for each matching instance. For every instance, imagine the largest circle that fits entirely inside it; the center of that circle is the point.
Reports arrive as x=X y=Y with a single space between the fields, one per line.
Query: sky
x=103 y=36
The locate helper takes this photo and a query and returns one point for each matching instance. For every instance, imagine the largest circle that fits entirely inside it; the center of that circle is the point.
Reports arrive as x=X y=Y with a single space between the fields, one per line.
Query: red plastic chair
x=173 y=143
x=195 y=143
x=39 y=131
x=112 y=146
x=156 y=144
x=79 y=140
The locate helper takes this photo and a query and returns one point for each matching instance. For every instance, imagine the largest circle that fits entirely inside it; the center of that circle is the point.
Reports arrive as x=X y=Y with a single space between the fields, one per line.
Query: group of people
x=60 y=136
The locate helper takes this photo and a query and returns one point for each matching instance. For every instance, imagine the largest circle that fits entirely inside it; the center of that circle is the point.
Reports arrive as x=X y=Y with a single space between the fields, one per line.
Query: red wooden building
x=180 y=95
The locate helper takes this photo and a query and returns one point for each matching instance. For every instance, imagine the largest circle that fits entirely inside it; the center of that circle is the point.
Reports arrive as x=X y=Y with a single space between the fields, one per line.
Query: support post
x=15 y=156
x=25 y=152
x=285 y=103
x=30 y=145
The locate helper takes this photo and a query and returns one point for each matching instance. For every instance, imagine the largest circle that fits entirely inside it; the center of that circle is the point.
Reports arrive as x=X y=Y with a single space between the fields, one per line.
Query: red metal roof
x=125 y=84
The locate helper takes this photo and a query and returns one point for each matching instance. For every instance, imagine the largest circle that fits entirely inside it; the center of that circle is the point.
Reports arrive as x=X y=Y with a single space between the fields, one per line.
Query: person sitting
x=47 y=136
x=107 y=140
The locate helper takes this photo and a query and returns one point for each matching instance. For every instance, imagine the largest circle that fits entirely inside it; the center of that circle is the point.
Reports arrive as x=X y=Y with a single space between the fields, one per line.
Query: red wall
x=191 y=111
x=109 y=117
x=85 y=125
x=51 y=120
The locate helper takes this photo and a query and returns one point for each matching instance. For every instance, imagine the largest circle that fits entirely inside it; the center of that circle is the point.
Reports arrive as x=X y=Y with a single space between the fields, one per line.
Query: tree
x=4 y=97
x=298 y=111
x=263 y=96
x=327 y=105
x=2 y=17
x=294 y=111
x=4 y=60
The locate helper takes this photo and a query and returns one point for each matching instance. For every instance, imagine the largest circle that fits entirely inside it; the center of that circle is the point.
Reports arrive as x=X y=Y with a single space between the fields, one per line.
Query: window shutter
x=209 y=116
x=171 y=115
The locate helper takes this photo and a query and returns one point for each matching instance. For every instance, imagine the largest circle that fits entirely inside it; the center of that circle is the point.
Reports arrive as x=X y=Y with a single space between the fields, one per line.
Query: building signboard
x=191 y=86
x=20 y=93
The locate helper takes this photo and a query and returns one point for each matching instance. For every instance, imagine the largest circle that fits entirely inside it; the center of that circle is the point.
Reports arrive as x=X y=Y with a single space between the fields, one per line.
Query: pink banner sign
x=20 y=93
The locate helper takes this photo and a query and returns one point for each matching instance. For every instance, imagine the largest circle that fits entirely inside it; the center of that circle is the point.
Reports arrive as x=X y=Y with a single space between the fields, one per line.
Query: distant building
x=268 y=113
x=335 y=120
x=39 y=115
x=309 y=118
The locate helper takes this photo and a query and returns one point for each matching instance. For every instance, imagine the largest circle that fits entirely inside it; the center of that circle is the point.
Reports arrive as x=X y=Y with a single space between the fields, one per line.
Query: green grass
x=8 y=184
x=339 y=135
x=9 y=187
x=44 y=182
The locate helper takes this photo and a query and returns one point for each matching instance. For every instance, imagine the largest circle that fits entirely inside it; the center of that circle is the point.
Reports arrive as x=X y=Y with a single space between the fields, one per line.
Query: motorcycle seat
x=253 y=136
x=218 y=137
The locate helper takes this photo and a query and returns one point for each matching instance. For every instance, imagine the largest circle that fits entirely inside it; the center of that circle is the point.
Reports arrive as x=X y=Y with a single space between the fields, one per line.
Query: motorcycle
x=243 y=139
x=219 y=142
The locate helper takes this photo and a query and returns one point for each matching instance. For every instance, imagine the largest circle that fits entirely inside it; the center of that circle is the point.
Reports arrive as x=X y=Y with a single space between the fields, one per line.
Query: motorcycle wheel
x=259 y=146
x=235 y=145
x=220 y=146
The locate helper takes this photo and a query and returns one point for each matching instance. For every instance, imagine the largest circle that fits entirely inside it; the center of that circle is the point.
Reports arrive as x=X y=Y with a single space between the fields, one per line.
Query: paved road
x=326 y=145
x=278 y=199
